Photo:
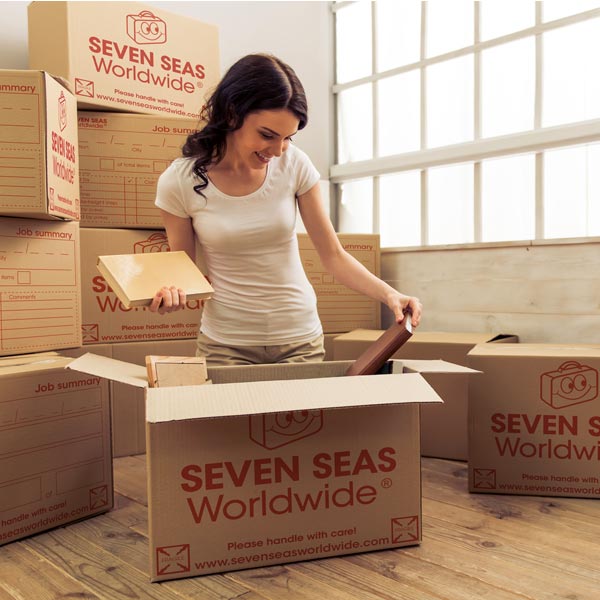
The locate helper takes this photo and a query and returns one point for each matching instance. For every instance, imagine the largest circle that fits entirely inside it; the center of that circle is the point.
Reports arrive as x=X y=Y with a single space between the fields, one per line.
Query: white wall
x=298 y=32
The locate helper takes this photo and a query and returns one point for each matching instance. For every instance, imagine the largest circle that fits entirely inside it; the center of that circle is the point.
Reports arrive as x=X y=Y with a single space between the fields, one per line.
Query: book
x=135 y=278
x=171 y=371
x=378 y=353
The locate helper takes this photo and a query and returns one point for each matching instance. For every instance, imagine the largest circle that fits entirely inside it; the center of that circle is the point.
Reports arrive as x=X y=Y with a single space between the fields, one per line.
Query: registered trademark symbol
x=386 y=483
x=200 y=84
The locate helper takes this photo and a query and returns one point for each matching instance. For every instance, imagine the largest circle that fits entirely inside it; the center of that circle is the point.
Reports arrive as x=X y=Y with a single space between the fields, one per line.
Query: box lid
x=434 y=366
x=261 y=397
x=540 y=350
x=274 y=395
x=428 y=337
x=28 y=363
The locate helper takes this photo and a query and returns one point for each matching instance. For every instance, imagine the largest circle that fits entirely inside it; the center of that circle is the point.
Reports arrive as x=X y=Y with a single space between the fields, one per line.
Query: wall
x=298 y=32
x=544 y=292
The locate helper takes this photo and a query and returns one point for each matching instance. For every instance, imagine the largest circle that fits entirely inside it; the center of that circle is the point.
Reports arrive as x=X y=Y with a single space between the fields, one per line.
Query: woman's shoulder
x=294 y=157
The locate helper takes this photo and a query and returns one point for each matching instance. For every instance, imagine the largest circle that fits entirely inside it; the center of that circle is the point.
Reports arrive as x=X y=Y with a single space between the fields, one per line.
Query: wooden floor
x=474 y=547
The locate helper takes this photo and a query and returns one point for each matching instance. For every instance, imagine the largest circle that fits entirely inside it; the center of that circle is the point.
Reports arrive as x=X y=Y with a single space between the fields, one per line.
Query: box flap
x=558 y=350
x=109 y=368
x=430 y=337
x=27 y=363
x=259 y=397
x=434 y=366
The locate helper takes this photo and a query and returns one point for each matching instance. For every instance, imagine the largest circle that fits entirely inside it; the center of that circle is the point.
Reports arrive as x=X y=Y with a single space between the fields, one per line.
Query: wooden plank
x=106 y=575
x=523 y=289
x=25 y=575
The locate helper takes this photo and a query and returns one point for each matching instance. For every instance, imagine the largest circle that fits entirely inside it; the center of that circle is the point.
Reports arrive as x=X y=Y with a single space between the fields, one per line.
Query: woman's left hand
x=401 y=305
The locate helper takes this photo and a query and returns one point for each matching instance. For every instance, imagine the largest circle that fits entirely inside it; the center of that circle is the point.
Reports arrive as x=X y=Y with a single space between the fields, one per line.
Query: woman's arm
x=344 y=267
x=180 y=234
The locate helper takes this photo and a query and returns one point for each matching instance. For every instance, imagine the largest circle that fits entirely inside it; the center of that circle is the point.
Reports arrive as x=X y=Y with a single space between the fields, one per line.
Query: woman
x=235 y=191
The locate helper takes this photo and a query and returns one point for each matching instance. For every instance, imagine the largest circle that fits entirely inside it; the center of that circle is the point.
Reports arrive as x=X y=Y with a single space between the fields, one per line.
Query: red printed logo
x=90 y=333
x=146 y=28
x=157 y=242
x=99 y=497
x=405 y=529
x=62 y=111
x=172 y=559
x=280 y=429
x=84 y=87
x=484 y=479
x=572 y=383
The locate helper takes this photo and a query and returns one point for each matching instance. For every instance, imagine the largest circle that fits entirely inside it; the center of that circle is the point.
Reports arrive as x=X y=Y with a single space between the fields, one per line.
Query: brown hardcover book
x=376 y=355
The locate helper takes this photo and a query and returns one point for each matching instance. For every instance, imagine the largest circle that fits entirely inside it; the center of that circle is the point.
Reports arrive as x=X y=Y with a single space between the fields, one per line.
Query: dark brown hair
x=255 y=82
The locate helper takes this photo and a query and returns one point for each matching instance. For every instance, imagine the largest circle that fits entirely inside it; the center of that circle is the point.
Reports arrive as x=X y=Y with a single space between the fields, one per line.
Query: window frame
x=534 y=141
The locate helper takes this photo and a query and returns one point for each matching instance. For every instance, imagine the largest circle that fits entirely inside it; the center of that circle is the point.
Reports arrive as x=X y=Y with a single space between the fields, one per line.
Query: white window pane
x=399 y=126
x=353 y=41
x=571 y=85
x=508 y=88
x=398 y=33
x=556 y=9
x=450 y=202
x=571 y=188
x=355 y=213
x=449 y=25
x=499 y=17
x=450 y=102
x=400 y=209
x=355 y=124
x=508 y=198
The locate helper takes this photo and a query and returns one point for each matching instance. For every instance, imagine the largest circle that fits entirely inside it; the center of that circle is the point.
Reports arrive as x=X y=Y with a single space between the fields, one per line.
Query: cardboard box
x=278 y=463
x=105 y=318
x=40 y=293
x=128 y=409
x=534 y=420
x=39 y=164
x=444 y=430
x=133 y=277
x=55 y=461
x=121 y=158
x=124 y=56
x=340 y=308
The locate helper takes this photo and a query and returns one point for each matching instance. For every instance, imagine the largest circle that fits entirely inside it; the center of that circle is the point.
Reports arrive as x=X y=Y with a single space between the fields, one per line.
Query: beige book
x=166 y=371
x=135 y=278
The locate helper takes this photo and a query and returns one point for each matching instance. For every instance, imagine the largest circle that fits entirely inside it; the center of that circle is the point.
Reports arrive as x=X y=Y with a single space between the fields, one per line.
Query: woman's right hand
x=168 y=300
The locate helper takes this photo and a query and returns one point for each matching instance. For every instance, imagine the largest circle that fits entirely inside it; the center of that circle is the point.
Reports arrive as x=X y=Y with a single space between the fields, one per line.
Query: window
x=463 y=122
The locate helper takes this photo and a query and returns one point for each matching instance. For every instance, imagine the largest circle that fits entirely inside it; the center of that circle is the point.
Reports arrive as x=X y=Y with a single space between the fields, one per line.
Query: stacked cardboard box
x=139 y=87
x=40 y=301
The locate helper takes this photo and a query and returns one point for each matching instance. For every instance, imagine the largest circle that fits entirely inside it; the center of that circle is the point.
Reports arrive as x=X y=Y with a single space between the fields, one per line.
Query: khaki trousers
x=221 y=355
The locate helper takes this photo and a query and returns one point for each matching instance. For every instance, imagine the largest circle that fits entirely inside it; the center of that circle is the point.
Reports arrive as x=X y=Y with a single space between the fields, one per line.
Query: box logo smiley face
x=572 y=383
x=279 y=429
x=146 y=28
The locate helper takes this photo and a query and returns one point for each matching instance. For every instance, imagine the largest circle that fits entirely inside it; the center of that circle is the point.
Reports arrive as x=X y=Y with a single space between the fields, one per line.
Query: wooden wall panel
x=547 y=293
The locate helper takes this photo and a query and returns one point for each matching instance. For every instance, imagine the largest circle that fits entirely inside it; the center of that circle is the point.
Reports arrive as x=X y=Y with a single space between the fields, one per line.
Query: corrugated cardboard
x=121 y=158
x=278 y=463
x=443 y=428
x=128 y=410
x=135 y=278
x=126 y=56
x=55 y=461
x=39 y=164
x=534 y=420
x=105 y=318
x=340 y=308
x=40 y=293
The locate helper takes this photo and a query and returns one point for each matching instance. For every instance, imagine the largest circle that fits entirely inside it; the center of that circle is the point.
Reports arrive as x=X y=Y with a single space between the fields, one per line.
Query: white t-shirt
x=262 y=296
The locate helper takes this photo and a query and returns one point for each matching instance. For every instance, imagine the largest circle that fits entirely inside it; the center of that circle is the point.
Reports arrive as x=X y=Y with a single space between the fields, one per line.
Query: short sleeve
x=306 y=173
x=168 y=192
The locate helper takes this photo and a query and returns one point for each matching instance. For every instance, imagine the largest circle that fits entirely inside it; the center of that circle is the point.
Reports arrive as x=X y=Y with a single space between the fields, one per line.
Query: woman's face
x=263 y=135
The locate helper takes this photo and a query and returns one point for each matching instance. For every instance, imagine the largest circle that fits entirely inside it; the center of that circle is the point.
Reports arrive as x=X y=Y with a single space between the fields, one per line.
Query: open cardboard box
x=444 y=431
x=278 y=463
